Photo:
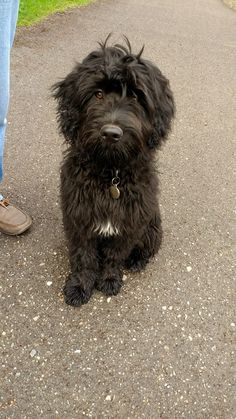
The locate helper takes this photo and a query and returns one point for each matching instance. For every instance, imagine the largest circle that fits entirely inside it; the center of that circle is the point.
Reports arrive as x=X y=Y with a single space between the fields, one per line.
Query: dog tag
x=114 y=191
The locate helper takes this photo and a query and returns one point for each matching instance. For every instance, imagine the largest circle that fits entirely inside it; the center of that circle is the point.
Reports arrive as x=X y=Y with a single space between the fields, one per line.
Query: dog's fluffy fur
x=111 y=87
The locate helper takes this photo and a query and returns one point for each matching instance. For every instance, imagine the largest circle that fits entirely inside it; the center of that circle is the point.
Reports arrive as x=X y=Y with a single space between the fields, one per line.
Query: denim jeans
x=8 y=19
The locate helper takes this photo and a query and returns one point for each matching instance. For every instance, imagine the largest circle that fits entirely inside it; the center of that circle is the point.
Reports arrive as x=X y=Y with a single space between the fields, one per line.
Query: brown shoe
x=13 y=221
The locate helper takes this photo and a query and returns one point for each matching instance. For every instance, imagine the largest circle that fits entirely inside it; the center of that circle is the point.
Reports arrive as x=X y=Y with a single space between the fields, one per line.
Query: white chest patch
x=106 y=229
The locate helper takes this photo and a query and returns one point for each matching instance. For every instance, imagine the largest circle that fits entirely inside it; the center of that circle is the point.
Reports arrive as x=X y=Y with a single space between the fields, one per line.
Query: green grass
x=32 y=11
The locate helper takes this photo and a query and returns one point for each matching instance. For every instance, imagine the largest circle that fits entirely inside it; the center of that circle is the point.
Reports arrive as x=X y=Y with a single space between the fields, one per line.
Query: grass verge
x=32 y=11
x=230 y=3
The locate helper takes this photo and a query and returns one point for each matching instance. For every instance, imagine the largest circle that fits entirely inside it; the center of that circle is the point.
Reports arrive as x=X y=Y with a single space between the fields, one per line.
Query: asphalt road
x=165 y=347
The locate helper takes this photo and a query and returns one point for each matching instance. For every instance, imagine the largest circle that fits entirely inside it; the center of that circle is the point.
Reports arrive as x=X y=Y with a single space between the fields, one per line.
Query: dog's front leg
x=84 y=271
x=110 y=280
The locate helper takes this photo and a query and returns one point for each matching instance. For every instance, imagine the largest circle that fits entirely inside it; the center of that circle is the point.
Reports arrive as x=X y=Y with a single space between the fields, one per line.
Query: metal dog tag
x=114 y=191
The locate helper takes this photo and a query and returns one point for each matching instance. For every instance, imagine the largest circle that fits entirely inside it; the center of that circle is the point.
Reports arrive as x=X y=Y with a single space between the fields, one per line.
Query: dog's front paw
x=75 y=295
x=110 y=285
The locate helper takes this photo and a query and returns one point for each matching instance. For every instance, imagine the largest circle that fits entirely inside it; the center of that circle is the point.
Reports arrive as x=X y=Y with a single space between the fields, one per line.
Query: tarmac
x=165 y=347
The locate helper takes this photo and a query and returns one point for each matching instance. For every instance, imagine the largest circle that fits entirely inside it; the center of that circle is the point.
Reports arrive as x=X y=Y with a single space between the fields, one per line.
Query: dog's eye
x=99 y=94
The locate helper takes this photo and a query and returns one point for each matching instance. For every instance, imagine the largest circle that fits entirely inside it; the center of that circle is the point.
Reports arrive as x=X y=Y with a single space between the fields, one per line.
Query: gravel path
x=164 y=347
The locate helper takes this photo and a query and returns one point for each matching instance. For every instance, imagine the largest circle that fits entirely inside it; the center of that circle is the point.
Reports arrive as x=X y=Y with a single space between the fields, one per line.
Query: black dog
x=114 y=110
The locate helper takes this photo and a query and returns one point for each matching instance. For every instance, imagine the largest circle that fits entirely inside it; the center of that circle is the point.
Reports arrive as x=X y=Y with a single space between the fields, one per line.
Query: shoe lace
x=4 y=202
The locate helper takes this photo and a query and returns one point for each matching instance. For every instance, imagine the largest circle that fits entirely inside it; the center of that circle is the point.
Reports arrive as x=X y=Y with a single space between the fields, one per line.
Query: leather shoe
x=13 y=221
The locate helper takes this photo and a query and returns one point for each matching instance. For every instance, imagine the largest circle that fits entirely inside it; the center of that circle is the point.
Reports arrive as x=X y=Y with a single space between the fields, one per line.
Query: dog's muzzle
x=111 y=133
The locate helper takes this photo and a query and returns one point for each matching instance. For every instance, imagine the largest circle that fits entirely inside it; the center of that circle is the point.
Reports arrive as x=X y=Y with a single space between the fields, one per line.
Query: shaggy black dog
x=114 y=110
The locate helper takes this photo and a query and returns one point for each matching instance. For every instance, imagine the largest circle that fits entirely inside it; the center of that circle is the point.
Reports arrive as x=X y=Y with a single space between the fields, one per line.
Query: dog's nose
x=111 y=132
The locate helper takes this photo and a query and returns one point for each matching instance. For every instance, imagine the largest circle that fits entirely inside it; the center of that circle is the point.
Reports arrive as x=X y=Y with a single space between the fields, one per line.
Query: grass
x=230 y=3
x=32 y=11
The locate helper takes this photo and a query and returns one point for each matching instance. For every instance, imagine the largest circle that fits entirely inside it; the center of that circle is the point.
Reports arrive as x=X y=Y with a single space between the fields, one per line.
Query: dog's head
x=114 y=105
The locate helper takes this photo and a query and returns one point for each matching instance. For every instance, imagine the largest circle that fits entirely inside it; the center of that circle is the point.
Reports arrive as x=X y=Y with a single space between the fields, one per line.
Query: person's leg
x=8 y=18
x=4 y=98
x=12 y=220
x=14 y=17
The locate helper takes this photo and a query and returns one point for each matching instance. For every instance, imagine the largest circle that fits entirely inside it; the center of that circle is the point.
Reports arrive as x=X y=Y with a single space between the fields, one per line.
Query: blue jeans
x=8 y=19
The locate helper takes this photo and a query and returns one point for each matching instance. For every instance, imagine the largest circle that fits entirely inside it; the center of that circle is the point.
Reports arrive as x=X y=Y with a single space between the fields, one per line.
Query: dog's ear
x=66 y=92
x=163 y=106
